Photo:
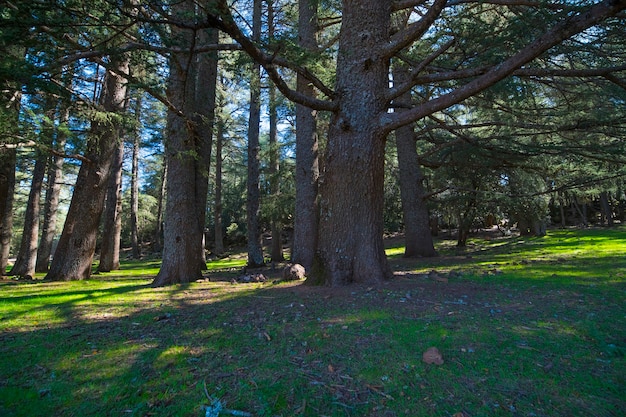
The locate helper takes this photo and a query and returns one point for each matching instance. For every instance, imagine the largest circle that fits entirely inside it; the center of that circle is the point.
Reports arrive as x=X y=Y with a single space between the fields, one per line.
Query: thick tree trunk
x=351 y=220
x=191 y=89
x=307 y=164
x=217 y=215
x=112 y=229
x=255 y=250
x=53 y=192
x=418 y=238
x=27 y=255
x=134 y=186
x=205 y=74
x=74 y=254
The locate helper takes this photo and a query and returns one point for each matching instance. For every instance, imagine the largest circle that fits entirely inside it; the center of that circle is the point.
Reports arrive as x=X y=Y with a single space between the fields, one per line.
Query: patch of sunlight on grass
x=226 y=264
x=395 y=252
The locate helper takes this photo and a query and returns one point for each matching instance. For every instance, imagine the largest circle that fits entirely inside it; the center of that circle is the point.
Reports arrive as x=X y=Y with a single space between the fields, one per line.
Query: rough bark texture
x=307 y=163
x=191 y=89
x=255 y=250
x=75 y=251
x=112 y=229
x=351 y=219
x=418 y=238
x=27 y=255
x=53 y=191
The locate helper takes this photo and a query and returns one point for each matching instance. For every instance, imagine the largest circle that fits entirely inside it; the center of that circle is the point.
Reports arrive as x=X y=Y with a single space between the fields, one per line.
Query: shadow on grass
x=289 y=349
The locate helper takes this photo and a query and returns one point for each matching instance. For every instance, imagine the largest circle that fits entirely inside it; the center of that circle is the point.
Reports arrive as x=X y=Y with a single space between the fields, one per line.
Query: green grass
x=529 y=327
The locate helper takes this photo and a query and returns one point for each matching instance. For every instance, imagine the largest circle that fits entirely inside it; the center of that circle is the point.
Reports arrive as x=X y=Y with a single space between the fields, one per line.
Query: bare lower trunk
x=7 y=190
x=255 y=250
x=27 y=255
x=112 y=229
x=134 y=187
x=217 y=215
x=418 y=238
x=187 y=155
x=157 y=238
x=75 y=251
x=307 y=164
x=605 y=205
x=351 y=206
x=53 y=191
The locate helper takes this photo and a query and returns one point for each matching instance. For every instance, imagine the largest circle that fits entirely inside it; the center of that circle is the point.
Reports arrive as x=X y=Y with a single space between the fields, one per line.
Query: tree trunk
x=157 y=238
x=351 y=207
x=27 y=255
x=53 y=191
x=255 y=250
x=418 y=239
x=605 y=205
x=219 y=227
x=205 y=75
x=74 y=254
x=7 y=190
x=112 y=229
x=307 y=164
x=276 y=252
x=191 y=89
x=11 y=99
x=134 y=185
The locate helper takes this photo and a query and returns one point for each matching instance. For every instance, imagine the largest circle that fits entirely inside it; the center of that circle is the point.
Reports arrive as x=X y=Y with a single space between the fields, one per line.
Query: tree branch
x=560 y=32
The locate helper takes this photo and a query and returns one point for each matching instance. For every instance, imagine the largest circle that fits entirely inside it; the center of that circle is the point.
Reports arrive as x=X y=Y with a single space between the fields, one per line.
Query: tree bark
x=607 y=212
x=53 y=191
x=157 y=238
x=217 y=215
x=75 y=251
x=7 y=190
x=134 y=185
x=255 y=250
x=306 y=216
x=11 y=99
x=351 y=220
x=112 y=229
x=191 y=90
x=276 y=252
x=27 y=255
x=417 y=235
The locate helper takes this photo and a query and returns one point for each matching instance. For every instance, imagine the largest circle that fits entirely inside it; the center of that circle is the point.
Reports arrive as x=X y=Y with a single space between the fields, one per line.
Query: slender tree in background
x=276 y=252
x=307 y=163
x=77 y=244
x=255 y=250
x=53 y=190
x=217 y=211
x=112 y=227
x=417 y=236
x=27 y=255
x=9 y=116
x=134 y=182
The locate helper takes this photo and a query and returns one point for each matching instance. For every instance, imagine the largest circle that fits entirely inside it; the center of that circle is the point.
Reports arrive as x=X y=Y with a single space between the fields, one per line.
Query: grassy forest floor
x=526 y=327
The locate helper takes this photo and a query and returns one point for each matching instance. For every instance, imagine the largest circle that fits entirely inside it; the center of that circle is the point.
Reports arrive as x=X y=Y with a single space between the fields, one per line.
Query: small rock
x=432 y=356
x=294 y=272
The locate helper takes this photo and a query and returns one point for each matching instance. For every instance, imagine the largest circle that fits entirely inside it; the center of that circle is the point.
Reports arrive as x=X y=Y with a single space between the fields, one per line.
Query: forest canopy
x=180 y=127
